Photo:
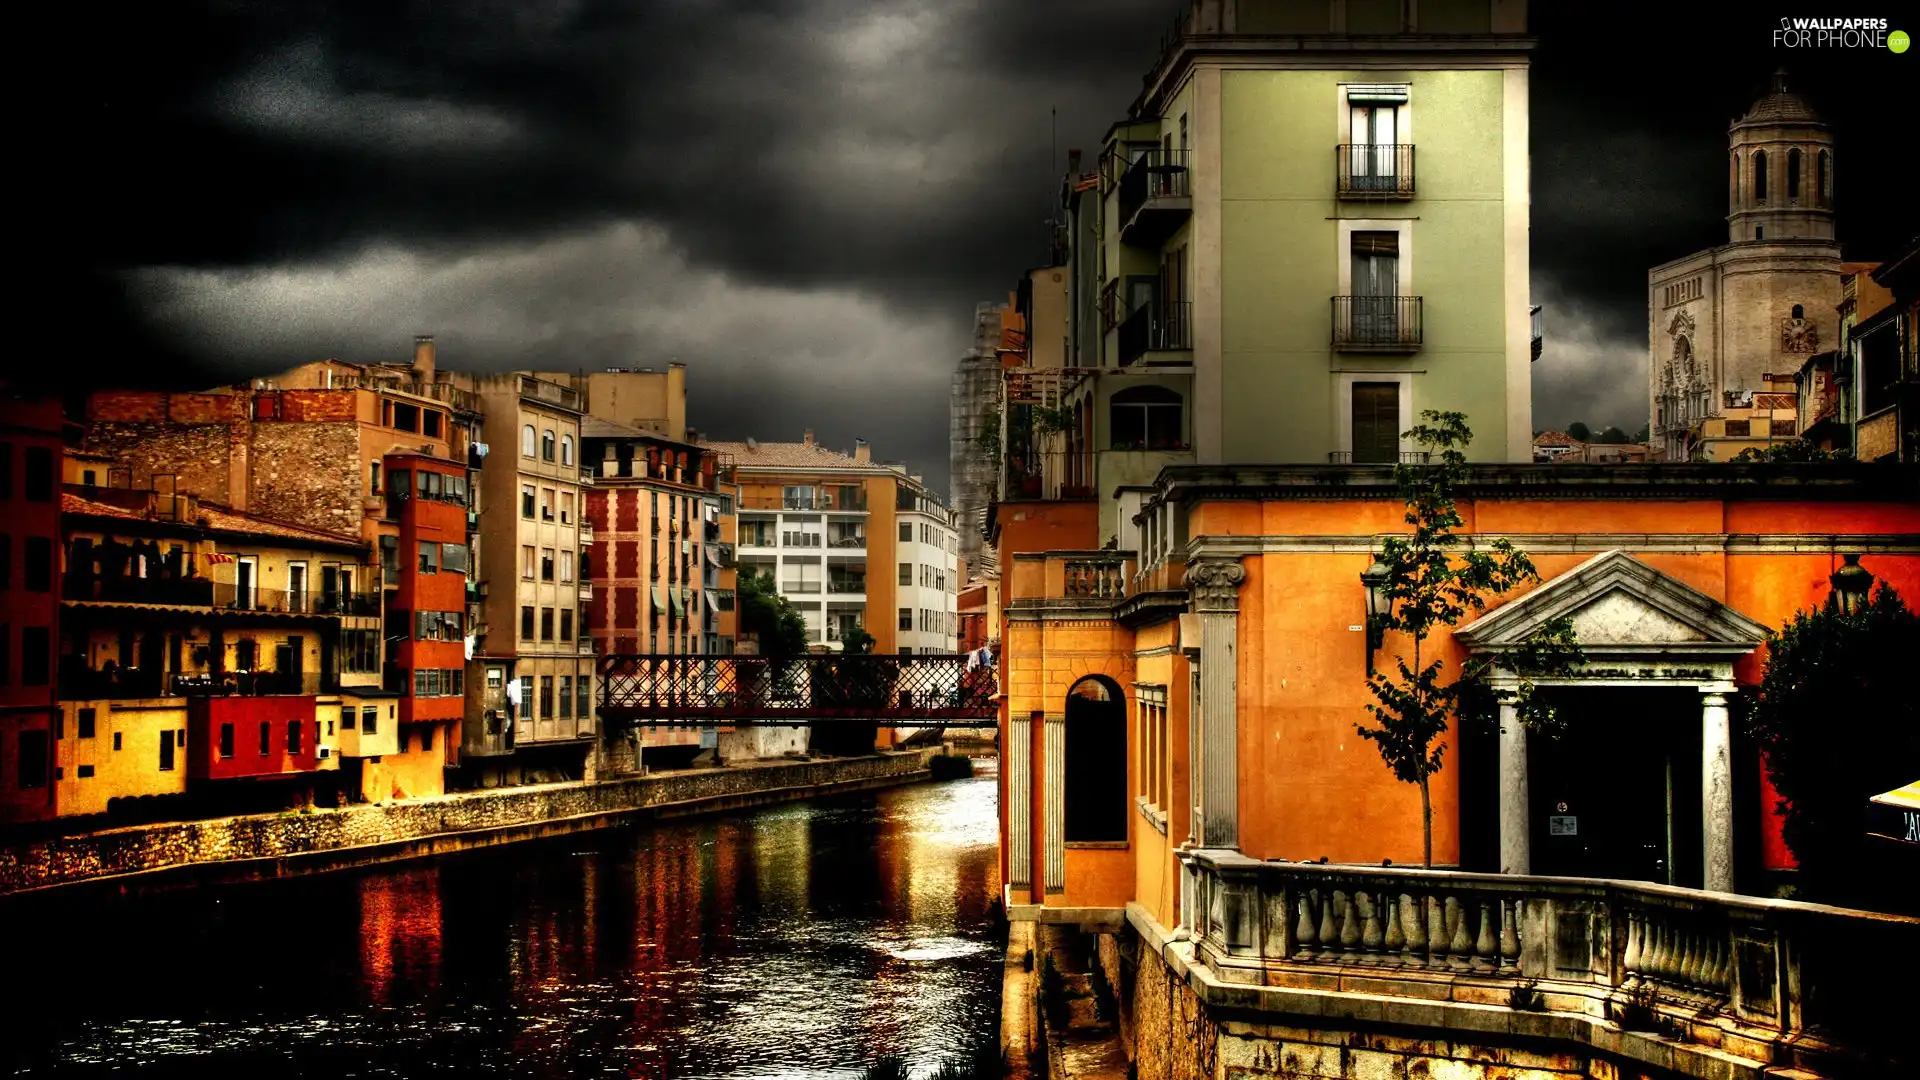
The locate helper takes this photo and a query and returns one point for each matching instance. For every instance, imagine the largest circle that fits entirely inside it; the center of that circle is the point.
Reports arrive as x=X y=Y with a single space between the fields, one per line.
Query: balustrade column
x=1716 y=788
x=1515 y=830
x=1214 y=588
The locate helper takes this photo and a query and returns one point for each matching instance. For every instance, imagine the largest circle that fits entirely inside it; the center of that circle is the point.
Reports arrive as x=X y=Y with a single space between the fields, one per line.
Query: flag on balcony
x=216 y=558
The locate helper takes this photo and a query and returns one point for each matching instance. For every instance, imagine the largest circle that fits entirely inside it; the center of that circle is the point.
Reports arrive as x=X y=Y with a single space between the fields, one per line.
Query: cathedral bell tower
x=1780 y=170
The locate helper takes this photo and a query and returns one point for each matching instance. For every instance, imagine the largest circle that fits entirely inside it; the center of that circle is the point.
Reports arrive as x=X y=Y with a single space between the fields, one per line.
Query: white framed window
x=566 y=449
x=1345 y=400
x=527 y=441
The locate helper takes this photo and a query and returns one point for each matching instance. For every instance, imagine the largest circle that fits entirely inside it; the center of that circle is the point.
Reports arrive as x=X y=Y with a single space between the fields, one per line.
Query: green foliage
x=1796 y=450
x=764 y=612
x=1839 y=722
x=1048 y=421
x=857 y=642
x=1430 y=584
x=990 y=437
x=1579 y=430
x=1644 y=434
x=1613 y=436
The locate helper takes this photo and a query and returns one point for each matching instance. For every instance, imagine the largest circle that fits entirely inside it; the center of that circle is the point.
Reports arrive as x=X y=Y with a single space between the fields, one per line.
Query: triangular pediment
x=1620 y=605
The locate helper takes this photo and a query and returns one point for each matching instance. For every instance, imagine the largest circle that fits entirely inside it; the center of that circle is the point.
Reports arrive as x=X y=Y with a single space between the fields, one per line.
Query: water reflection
x=802 y=940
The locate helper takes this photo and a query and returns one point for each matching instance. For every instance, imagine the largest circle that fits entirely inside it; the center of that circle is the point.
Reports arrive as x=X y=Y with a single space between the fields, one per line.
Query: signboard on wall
x=1563 y=825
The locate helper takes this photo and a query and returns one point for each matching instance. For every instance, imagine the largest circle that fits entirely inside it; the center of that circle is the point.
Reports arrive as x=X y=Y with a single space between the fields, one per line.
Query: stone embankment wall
x=275 y=845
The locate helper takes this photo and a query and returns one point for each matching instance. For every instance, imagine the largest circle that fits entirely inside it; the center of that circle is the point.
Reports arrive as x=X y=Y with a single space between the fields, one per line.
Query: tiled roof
x=790 y=455
x=219 y=519
x=1555 y=438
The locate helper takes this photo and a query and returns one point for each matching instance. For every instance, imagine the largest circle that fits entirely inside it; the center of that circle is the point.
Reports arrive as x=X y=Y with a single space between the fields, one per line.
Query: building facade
x=1885 y=350
x=30 y=444
x=1738 y=321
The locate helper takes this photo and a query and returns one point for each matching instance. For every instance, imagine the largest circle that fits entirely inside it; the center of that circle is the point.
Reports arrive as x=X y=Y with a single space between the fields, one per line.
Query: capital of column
x=1214 y=585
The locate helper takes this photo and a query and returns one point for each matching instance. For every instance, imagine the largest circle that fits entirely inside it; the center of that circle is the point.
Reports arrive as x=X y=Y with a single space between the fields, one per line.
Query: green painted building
x=1313 y=226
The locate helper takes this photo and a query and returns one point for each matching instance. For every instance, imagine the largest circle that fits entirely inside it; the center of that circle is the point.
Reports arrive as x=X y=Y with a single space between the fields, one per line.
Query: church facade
x=1728 y=323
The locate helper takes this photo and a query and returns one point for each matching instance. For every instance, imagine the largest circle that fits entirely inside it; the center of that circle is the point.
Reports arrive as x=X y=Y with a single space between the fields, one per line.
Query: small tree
x=855 y=641
x=1579 y=430
x=1431 y=584
x=1792 y=450
x=1821 y=666
x=1613 y=436
x=770 y=616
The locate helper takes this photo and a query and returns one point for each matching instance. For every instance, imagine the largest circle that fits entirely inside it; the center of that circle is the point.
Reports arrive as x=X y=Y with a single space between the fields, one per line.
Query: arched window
x=1793 y=175
x=1733 y=166
x=546 y=445
x=1760 y=177
x=566 y=449
x=1799 y=312
x=1823 y=178
x=1095 y=760
x=526 y=441
x=1146 y=418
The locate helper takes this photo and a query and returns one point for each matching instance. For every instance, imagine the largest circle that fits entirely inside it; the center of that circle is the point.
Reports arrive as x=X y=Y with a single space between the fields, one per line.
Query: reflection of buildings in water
x=400 y=935
x=782 y=861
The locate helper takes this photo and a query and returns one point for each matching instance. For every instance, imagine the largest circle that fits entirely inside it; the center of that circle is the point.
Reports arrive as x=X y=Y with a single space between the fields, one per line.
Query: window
x=526 y=622
x=526 y=441
x=226 y=740
x=1823 y=178
x=116 y=740
x=373 y=478
x=1374 y=315
x=906 y=573
x=526 y=501
x=35 y=656
x=430 y=422
x=1145 y=418
x=429 y=557
x=566 y=449
x=546 y=624
x=39 y=478
x=30 y=760
x=566 y=697
x=566 y=507
x=369 y=720
x=37 y=572
x=1151 y=740
x=546 y=697
x=453 y=558
x=906 y=532
x=1096 y=800
x=166 y=751
x=1793 y=176
x=566 y=624
x=546 y=504
x=526 y=561
x=266 y=737
x=566 y=565
x=1759 y=179
x=1373 y=161
x=426 y=737
x=293 y=728
x=84 y=771
x=546 y=445
x=798 y=498
x=906 y=618
x=83 y=723
x=582 y=699
x=347 y=716
x=546 y=564
x=1376 y=422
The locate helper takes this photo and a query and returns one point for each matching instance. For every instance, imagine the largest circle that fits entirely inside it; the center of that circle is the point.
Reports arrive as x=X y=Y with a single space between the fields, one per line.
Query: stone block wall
x=309 y=474
x=468 y=819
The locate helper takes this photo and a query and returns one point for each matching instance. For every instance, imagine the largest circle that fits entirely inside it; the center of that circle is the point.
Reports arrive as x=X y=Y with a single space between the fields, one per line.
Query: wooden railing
x=1774 y=978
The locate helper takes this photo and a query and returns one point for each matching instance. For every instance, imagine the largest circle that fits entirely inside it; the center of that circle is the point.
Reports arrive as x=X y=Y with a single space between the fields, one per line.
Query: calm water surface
x=796 y=941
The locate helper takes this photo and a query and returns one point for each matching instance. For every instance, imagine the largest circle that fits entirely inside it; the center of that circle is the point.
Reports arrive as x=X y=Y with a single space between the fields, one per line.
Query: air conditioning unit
x=324 y=752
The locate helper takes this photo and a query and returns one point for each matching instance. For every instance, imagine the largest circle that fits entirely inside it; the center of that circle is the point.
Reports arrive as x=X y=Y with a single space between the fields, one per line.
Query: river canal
x=804 y=940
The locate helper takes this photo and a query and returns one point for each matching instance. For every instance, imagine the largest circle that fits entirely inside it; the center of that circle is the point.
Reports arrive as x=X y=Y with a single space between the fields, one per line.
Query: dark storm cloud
x=801 y=200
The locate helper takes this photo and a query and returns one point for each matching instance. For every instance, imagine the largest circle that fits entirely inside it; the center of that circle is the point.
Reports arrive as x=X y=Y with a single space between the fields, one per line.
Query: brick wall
x=309 y=473
x=541 y=810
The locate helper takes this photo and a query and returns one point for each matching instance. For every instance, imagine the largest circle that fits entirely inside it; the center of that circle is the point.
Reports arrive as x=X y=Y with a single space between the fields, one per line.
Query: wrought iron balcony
x=1376 y=323
x=1373 y=171
x=1156 y=197
x=1158 y=326
x=194 y=592
x=248 y=684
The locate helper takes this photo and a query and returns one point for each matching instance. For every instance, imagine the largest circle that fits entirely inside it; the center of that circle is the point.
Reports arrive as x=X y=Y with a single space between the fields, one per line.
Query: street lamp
x=1851 y=584
x=1379 y=606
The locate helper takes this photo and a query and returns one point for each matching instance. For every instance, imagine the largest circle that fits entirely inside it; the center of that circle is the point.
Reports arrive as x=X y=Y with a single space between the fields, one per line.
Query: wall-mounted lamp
x=1379 y=607
x=1851 y=583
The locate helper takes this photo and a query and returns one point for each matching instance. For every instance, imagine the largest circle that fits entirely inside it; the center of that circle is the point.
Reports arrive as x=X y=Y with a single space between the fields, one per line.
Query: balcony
x=1728 y=980
x=1095 y=577
x=247 y=684
x=799 y=588
x=1377 y=324
x=1348 y=457
x=550 y=393
x=190 y=592
x=711 y=532
x=1373 y=171
x=721 y=600
x=585 y=531
x=1156 y=197
x=847 y=585
x=81 y=683
x=847 y=541
x=343 y=603
x=231 y=597
x=1159 y=327
x=586 y=590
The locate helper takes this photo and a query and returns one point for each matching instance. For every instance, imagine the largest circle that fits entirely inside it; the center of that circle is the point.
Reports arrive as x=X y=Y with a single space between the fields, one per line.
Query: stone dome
x=1780 y=106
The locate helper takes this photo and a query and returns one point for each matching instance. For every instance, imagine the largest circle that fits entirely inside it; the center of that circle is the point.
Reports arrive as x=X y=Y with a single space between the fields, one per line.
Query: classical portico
x=1639 y=628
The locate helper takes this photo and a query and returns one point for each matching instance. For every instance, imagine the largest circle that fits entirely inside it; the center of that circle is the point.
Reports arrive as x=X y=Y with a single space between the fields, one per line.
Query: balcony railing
x=551 y=393
x=196 y=592
x=799 y=588
x=1376 y=323
x=847 y=585
x=1374 y=171
x=339 y=603
x=1155 y=196
x=81 y=683
x=1159 y=326
x=1403 y=457
x=1100 y=577
x=247 y=684
x=279 y=601
x=857 y=541
x=1756 y=976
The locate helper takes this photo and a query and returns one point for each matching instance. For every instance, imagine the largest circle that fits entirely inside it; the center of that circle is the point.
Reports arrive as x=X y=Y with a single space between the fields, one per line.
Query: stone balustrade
x=1096 y=577
x=1768 y=980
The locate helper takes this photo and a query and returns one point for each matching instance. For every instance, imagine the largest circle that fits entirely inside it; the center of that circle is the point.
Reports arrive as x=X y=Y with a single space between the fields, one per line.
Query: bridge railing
x=1760 y=978
x=707 y=689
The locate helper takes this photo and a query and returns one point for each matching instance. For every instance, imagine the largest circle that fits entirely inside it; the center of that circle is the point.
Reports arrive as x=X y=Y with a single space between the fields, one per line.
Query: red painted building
x=30 y=445
x=246 y=738
x=427 y=601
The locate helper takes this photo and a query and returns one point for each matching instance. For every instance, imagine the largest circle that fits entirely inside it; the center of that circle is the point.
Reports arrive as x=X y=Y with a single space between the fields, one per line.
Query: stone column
x=1056 y=807
x=1020 y=804
x=1213 y=586
x=1716 y=788
x=1515 y=829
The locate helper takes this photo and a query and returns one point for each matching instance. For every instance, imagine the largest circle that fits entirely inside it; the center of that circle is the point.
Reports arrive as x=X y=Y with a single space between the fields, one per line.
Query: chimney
x=862 y=451
x=423 y=357
x=808 y=439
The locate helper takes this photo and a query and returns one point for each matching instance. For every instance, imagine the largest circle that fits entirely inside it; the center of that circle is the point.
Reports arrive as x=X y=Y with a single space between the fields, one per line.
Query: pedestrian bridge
x=705 y=691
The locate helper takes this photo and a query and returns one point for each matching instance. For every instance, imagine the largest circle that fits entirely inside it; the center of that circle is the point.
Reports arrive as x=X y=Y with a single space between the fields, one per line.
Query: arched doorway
x=1095 y=762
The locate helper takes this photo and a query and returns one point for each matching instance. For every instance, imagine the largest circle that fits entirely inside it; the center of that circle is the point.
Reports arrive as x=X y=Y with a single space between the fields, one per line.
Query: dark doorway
x=1618 y=796
x=1095 y=763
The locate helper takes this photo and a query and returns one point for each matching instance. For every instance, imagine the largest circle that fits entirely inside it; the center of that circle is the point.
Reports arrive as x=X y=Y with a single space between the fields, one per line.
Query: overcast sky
x=800 y=199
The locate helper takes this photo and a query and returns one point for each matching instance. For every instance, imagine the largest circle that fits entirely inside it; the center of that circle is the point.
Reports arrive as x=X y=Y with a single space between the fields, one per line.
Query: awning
x=1896 y=814
x=679 y=604
x=659 y=600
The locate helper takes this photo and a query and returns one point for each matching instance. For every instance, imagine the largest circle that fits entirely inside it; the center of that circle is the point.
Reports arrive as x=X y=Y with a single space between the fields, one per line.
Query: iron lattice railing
x=697 y=691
